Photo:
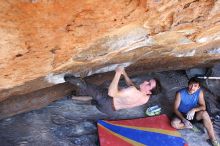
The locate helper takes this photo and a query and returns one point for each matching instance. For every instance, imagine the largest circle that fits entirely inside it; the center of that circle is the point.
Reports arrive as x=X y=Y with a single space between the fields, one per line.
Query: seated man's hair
x=157 y=89
x=194 y=80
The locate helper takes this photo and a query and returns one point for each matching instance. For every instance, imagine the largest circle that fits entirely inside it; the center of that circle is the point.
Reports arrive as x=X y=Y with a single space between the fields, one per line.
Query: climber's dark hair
x=157 y=89
x=194 y=80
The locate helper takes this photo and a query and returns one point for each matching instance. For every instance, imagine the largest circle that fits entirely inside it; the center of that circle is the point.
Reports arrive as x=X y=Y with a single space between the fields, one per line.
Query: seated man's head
x=150 y=87
x=193 y=85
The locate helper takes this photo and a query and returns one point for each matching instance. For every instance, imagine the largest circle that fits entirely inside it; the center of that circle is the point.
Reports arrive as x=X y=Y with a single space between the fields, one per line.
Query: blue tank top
x=188 y=101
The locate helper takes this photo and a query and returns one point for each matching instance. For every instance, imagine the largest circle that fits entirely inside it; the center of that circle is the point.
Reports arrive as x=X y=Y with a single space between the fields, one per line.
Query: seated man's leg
x=177 y=123
x=203 y=115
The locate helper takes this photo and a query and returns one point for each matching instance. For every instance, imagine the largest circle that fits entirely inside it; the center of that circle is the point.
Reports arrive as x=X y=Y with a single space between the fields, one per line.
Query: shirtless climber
x=108 y=101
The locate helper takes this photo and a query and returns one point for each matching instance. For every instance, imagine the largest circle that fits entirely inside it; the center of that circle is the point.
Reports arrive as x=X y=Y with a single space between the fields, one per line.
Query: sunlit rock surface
x=43 y=39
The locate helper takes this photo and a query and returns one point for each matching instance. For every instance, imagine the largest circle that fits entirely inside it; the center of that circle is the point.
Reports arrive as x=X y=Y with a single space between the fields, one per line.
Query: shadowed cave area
x=72 y=122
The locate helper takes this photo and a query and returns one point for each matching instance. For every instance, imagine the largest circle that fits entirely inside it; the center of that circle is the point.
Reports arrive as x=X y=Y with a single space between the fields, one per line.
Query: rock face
x=70 y=122
x=41 y=40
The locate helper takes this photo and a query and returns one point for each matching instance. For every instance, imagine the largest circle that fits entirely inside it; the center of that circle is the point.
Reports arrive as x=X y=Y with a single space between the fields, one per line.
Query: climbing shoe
x=215 y=143
x=75 y=81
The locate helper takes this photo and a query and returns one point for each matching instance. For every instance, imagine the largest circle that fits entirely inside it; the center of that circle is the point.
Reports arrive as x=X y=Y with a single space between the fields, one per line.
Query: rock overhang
x=43 y=40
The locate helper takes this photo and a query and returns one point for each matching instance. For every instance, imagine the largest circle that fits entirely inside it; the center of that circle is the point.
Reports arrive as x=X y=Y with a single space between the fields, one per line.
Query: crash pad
x=150 y=131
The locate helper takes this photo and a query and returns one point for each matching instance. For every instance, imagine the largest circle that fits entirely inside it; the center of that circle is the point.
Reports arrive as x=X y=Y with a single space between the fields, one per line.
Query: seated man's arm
x=176 y=106
x=202 y=105
x=127 y=79
x=191 y=113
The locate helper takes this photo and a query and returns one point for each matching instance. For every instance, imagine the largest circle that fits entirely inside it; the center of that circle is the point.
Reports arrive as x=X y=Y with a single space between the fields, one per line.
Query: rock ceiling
x=43 y=39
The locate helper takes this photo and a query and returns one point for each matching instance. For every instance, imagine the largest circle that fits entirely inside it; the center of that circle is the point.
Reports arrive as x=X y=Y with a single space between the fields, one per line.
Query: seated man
x=189 y=102
x=115 y=99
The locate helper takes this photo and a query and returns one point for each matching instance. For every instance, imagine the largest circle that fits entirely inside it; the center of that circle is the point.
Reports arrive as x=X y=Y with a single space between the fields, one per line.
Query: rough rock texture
x=34 y=100
x=73 y=123
x=43 y=39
